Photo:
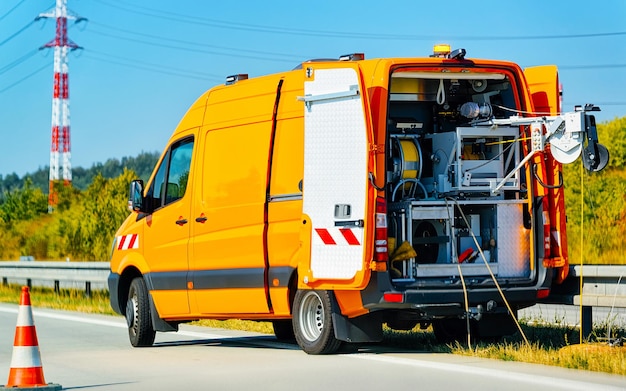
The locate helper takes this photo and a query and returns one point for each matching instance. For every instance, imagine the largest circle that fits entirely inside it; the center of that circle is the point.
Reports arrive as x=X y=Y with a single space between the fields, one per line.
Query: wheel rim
x=132 y=313
x=312 y=316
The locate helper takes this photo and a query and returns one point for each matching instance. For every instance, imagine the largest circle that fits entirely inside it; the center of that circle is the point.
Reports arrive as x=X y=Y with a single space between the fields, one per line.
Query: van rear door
x=544 y=86
x=336 y=196
x=543 y=83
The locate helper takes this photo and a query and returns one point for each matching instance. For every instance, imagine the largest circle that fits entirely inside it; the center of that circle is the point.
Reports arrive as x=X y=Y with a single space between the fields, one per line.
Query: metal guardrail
x=603 y=285
x=90 y=275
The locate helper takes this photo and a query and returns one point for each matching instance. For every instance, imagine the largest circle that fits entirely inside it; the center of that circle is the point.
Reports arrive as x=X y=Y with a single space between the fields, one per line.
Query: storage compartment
x=447 y=236
x=455 y=194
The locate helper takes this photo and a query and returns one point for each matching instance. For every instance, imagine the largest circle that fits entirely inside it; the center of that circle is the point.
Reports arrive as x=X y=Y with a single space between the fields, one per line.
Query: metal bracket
x=309 y=99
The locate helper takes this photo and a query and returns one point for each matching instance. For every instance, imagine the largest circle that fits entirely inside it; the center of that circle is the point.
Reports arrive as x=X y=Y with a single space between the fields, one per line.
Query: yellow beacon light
x=441 y=50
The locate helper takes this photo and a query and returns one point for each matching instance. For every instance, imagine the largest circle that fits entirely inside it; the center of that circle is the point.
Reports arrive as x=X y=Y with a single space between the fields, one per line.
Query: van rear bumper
x=451 y=302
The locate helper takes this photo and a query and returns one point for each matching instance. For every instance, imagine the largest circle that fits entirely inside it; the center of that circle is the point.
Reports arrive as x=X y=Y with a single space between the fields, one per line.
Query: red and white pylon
x=26 y=369
x=60 y=98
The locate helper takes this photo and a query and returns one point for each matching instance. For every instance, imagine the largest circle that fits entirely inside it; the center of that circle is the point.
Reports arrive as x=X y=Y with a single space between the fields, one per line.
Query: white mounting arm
x=566 y=134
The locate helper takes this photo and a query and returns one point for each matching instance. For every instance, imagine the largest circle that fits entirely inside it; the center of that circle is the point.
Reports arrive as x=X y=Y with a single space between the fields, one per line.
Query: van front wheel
x=140 y=330
x=313 y=324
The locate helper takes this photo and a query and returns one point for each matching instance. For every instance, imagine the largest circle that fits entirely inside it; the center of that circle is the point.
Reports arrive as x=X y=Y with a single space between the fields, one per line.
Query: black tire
x=313 y=323
x=283 y=330
x=140 y=330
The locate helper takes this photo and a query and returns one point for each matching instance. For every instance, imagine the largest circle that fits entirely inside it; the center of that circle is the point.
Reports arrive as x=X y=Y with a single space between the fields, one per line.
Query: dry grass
x=66 y=299
x=236 y=324
x=593 y=356
x=556 y=345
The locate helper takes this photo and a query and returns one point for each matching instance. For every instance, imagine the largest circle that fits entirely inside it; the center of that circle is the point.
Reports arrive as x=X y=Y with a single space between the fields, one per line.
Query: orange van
x=343 y=195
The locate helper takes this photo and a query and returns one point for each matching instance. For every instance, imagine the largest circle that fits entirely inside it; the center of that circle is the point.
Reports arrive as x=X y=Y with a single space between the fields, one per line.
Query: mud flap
x=159 y=324
x=360 y=329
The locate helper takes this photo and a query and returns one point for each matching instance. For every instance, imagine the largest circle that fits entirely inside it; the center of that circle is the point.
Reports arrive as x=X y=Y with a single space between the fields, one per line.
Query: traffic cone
x=26 y=371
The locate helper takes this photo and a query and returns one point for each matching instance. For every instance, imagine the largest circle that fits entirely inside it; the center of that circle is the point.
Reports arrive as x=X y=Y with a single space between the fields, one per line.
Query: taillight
x=542 y=293
x=393 y=297
x=380 y=236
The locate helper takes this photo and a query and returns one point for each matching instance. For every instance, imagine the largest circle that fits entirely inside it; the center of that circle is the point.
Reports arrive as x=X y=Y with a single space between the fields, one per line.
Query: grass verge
x=549 y=344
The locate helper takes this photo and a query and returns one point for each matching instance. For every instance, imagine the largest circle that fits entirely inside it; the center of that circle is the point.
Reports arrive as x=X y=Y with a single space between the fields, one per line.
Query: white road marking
x=456 y=368
x=110 y=323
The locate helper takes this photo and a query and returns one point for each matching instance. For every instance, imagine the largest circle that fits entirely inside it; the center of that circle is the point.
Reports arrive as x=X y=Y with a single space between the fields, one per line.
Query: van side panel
x=227 y=265
x=228 y=248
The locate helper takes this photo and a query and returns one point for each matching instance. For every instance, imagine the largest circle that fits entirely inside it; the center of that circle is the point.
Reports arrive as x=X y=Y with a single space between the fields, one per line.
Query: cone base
x=47 y=387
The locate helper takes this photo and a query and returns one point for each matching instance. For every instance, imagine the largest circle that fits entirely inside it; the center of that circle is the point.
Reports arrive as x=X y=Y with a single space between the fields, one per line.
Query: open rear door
x=543 y=82
x=335 y=186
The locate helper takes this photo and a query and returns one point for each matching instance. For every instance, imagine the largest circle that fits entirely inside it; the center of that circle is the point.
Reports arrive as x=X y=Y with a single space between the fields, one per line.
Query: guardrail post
x=5 y=281
x=88 y=289
x=57 y=287
x=586 y=322
x=29 y=283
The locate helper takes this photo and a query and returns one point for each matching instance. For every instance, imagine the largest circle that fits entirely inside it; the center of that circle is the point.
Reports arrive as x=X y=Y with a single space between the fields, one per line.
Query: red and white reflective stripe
x=25 y=345
x=126 y=242
x=25 y=316
x=328 y=238
x=26 y=357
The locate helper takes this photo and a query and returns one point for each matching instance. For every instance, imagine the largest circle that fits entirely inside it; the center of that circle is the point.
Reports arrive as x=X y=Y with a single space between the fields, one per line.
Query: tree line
x=85 y=219
x=90 y=211
x=142 y=165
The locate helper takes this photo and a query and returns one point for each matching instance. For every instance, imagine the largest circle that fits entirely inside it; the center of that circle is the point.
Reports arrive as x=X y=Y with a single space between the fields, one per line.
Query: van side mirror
x=136 y=199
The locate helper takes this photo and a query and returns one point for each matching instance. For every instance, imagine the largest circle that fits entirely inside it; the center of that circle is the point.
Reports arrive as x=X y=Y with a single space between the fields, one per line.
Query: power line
x=153 y=68
x=11 y=10
x=599 y=66
x=26 y=77
x=203 y=45
x=17 y=33
x=173 y=16
x=295 y=58
x=17 y=62
x=163 y=45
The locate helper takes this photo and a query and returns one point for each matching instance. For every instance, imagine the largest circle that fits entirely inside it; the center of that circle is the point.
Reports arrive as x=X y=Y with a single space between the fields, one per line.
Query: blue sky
x=145 y=61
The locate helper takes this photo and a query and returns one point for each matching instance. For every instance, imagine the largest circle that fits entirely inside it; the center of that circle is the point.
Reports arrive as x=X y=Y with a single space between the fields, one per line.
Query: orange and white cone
x=26 y=370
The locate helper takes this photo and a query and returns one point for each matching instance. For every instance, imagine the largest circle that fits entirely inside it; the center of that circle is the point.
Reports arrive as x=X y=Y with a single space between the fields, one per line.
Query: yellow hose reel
x=407 y=159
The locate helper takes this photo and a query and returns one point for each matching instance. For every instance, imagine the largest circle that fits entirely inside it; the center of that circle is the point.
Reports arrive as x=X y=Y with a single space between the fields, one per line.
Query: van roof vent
x=232 y=79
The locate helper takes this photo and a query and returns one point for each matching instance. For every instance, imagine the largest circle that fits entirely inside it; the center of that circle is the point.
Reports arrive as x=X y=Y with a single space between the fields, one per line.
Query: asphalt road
x=83 y=352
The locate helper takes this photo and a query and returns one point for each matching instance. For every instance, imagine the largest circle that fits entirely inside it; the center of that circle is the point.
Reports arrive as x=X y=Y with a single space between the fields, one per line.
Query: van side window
x=178 y=175
x=170 y=181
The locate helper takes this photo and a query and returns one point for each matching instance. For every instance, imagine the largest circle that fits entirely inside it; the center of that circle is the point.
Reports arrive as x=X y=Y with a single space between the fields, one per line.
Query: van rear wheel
x=140 y=330
x=313 y=324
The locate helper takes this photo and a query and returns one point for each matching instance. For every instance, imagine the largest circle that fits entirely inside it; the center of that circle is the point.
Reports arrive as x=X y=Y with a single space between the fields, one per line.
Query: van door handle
x=181 y=222
x=201 y=219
